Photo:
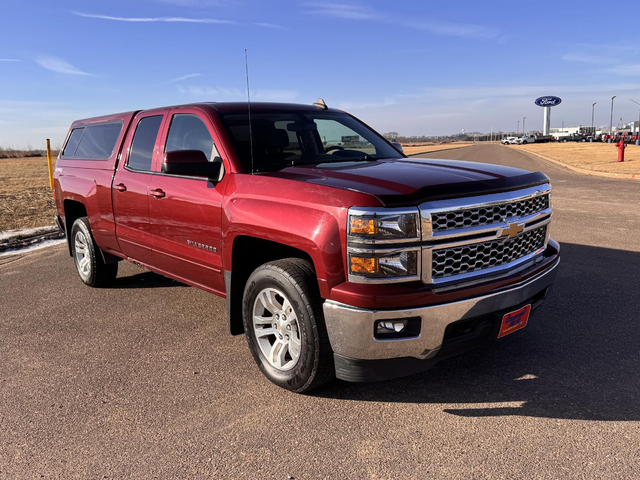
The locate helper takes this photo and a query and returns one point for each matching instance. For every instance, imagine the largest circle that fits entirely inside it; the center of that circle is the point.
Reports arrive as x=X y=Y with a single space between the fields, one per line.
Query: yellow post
x=50 y=164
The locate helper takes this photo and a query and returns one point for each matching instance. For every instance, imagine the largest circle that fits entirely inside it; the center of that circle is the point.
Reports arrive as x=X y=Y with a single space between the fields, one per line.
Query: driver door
x=186 y=212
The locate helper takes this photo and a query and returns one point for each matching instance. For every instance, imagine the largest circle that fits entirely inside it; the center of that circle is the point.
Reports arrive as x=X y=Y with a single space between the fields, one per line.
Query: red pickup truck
x=338 y=256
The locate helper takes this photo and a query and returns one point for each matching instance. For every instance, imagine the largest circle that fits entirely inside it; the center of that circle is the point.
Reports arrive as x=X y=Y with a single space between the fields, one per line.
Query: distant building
x=565 y=130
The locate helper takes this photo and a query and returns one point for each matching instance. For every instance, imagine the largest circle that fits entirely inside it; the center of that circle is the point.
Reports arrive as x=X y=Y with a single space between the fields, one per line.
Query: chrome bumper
x=351 y=329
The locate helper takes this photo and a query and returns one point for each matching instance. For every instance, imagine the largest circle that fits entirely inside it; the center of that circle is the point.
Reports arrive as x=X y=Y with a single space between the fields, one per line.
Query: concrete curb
x=619 y=176
x=439 y=150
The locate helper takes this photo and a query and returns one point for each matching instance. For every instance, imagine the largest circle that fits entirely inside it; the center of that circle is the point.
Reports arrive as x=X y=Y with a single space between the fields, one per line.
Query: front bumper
x=351 y=329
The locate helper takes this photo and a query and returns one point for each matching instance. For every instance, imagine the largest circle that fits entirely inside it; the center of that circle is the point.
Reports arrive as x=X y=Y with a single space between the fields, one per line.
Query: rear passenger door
x=186 y=213
x=130 y=192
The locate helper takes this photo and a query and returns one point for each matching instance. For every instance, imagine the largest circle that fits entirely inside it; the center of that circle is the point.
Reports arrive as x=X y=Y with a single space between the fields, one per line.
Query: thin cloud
x=9 y=60
x=456 y=29
x=231 y=93
x=194 y=3
x=339 y=10
x=627 y=70
x=267 y=25
x=60 y=66
x=156 y=19
x=364 y=12
x=211 y=21
x=587 y=58
x=183 y=77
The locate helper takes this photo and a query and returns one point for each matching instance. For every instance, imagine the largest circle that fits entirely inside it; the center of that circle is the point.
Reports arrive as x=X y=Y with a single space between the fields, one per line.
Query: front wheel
x=284 y=325
x=91 y=267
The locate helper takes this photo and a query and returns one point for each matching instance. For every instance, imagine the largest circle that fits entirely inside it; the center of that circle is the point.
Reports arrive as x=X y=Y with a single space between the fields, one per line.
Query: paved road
x=142 y=381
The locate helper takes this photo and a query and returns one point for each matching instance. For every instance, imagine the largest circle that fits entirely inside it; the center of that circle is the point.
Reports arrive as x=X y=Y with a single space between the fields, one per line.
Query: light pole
x=593 y=109
x=611 y=119
x=524 y=130
x=518 y=129
x=638 y=139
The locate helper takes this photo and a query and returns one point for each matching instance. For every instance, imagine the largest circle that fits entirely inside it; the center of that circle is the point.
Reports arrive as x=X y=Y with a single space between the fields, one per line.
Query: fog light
x=397 y=328
x=392 y=326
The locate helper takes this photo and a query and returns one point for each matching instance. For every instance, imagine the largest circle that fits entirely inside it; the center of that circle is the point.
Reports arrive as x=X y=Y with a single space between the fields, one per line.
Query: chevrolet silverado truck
x=338 y=255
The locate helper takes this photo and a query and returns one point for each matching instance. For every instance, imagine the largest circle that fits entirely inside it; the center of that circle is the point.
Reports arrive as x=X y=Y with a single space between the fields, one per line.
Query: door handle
x=121 y=187
x=158 y=193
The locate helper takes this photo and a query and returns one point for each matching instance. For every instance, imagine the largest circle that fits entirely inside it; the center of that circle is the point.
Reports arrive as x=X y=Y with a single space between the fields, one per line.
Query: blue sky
x=416 y=67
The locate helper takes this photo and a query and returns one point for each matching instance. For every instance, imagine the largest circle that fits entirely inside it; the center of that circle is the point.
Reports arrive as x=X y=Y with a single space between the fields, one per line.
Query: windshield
x=282 y=139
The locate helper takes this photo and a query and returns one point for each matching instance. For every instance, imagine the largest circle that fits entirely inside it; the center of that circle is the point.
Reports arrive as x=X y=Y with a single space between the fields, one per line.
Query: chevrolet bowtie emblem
x=512 y=230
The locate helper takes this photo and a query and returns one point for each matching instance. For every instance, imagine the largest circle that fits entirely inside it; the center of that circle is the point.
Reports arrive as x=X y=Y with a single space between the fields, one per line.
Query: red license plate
x=514 y=321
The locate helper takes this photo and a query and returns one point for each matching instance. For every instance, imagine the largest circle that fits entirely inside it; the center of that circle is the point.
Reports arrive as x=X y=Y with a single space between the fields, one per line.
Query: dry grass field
x=596 y=157
x=413 y=148
x=25 y=198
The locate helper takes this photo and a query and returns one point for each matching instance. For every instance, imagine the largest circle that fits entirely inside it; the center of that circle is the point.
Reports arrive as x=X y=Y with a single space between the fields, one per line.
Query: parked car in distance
x=527 y=138
x=337 y=255
x=573 y=137
x=509 y=140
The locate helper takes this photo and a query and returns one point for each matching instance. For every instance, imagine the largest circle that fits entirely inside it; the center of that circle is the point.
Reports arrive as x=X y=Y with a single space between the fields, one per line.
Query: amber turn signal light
x=363 y=226
x=364 y=265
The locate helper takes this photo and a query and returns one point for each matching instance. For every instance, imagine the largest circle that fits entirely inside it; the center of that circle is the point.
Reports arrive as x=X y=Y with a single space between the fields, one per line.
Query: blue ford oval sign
x=548 y=101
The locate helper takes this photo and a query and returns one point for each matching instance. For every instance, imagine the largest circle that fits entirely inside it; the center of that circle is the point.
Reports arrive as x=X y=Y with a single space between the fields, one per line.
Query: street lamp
x=638 y=140
x=593 y=108
x=518 y=129
x=611 y=119
x=524 y=119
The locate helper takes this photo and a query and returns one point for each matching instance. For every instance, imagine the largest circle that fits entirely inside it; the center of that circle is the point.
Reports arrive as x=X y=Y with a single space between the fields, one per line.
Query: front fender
x=311 y=218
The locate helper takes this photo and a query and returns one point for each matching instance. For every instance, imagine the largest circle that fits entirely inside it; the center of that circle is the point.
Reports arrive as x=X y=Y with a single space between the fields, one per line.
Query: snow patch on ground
x=27 y=232
x=31 y=248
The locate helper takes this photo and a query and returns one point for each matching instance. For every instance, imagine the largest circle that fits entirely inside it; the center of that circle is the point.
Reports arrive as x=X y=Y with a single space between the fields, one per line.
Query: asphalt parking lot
x=142 y=380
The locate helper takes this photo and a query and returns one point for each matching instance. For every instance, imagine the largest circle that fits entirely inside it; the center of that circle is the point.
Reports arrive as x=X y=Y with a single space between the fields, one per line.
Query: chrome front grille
x=486 y=215
x=485 y=235
x=452 y=261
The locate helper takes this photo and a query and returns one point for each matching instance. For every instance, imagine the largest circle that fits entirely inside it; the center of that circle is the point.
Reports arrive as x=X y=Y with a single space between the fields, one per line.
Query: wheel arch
x=74 y=210
x=248 y=253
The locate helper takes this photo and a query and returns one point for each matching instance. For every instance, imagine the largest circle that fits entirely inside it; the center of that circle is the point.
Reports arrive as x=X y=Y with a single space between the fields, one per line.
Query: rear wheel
x=86 y=255
x=284 y=325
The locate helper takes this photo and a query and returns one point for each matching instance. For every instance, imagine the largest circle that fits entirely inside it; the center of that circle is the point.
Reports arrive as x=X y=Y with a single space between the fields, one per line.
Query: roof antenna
x=246 y=68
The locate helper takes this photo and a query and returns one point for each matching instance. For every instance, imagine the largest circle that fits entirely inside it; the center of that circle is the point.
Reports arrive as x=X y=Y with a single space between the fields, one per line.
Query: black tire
x=297 y=280
x=95 y=273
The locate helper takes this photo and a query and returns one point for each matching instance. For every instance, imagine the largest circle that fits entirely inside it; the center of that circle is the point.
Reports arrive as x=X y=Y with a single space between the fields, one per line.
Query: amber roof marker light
x=320 y=104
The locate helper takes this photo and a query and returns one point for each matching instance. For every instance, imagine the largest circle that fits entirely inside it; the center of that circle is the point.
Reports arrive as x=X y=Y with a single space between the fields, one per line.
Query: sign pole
x=50 y=164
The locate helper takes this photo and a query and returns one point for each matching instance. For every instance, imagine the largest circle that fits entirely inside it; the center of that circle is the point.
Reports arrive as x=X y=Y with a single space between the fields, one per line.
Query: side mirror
x=190 y=163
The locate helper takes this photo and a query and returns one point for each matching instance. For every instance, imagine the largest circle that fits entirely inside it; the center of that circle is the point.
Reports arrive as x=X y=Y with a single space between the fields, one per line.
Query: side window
x=98 y=141
x=143 y=142
x=188 y=132
x=73 y=142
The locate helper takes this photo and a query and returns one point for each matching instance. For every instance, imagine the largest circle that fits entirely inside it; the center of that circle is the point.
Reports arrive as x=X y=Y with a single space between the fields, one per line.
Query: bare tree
x=391 y=136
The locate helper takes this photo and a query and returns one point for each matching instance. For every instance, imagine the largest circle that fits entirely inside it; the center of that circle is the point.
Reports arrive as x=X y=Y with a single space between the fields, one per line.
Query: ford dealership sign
x=548 y=101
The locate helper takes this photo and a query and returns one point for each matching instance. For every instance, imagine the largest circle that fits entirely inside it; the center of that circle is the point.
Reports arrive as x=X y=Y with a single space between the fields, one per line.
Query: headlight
x=380 y=226
x=376 y=245
x=383 y=265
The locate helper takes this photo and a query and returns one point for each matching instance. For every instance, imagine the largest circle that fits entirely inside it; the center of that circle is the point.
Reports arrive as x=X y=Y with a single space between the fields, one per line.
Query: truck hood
x=411 y=181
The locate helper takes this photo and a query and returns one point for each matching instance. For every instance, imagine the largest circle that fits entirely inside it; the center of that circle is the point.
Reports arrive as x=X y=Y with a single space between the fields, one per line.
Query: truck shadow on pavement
x=579 y=357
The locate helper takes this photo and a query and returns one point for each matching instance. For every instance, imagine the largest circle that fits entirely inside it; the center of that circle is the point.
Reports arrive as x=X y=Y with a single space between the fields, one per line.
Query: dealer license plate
x=514 y=321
